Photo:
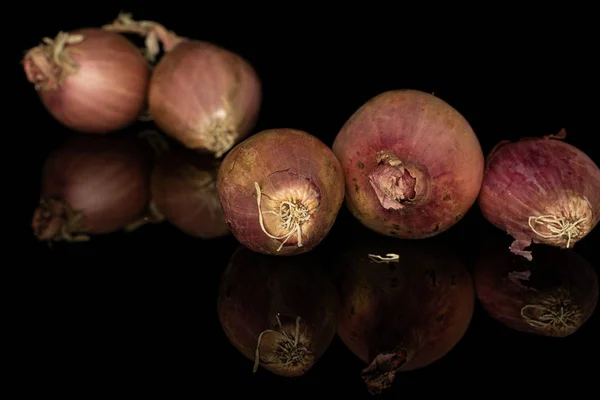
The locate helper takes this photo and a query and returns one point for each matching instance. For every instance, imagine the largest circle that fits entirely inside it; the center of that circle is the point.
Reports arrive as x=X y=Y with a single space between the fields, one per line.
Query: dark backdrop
x=138 y=313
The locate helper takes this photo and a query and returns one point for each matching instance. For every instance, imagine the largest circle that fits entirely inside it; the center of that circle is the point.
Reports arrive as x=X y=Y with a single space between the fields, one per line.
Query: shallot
x=541 y=190
x=278 y=312
x=553 y=295
x=281 y=191
x=205 y=96
x=184 y=191
x=92 y=185
x=413 y=165
x=90 y=80
x=404 y=306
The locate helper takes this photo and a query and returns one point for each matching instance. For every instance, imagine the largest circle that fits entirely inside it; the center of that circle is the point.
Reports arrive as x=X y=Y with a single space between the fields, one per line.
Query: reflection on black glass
x=280 y=312
x=552 y=295
x=405 y=304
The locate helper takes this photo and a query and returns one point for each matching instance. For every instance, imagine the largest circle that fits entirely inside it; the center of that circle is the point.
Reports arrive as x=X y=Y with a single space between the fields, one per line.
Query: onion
x=204 y=96
x=413 y=165
x=281 y=191
x=541 y=190
x=184 y=192
x=278 y=312
x=92 y=185
x=90 y=80
x=553 y=295
x=404 y=306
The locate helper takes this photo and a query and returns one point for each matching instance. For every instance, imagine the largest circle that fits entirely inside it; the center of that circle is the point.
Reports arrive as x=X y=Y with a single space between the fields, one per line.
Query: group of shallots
x=407 y=164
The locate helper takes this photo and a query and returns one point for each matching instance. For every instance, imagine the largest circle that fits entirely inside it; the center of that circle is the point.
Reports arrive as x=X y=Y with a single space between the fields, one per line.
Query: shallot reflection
x=280 y=313
x=405 y=304
x=552 y=295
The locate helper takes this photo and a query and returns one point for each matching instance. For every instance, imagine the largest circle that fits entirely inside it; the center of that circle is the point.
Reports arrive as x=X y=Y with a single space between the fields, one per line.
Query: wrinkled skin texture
x=405 y=315
x=553 y=295
x=540 y=177
x=184 y=190
x=432 y=141
x=255 y=288
x=287 y=164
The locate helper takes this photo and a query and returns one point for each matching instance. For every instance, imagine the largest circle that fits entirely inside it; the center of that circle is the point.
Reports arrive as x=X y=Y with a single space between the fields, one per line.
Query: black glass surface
x=138 y=311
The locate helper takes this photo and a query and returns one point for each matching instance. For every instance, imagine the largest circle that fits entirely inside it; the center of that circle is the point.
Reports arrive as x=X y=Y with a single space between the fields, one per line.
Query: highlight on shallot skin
x=281 y=191
x=541 y=190
x=552 y=295
x=405 y=305
x=278 y=312
x=205 y=96
x=413 y=165
x=90 y=80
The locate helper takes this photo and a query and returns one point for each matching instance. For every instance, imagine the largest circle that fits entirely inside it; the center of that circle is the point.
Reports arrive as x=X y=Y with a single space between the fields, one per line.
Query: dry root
x=289 y=349
x=292 y=216
x=554 y=313
x=558 y=227
x=388 y=258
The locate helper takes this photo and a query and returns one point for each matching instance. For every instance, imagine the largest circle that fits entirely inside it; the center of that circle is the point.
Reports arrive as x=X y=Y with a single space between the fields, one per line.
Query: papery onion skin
x=105 y=88
x=541 y=183
x=206 y=97
x=201 y=94
x=183 y=186
x=552 y=295
x=422 y=143
x=256 y=288
x=405 y=304
x=284 y=165
x=92 y=185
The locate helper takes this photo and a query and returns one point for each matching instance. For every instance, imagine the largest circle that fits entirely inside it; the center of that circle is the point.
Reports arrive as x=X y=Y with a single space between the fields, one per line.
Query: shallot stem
x=558 y=226
x=152 y=31
x=291 y=215
x=389 y=257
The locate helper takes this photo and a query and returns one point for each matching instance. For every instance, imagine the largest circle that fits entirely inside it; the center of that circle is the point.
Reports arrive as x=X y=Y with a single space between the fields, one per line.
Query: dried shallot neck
x=380 y=374
x=288 y=350
x=292 y=215
x=558 y=228
x=54 y=220
x=395 y=183
x=555 y=313
x=153 y=32
x=49 y=64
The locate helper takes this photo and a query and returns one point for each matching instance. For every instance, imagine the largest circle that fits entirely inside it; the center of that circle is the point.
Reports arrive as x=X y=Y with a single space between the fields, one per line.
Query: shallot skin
x=553 y=295
x=92 y=185
x=298 y=181
x=206 y=97
x=404 y=305
x=183 y=188
x=541 y=190
x=421 y=152
x=284 y=299
x=107 y=89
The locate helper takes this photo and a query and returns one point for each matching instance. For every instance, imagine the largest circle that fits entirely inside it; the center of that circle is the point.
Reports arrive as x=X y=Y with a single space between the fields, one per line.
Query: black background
x=137 y=312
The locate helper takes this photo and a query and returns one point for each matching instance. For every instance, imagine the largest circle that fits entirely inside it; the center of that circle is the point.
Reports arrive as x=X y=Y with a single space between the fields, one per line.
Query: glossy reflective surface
x=140 y=311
